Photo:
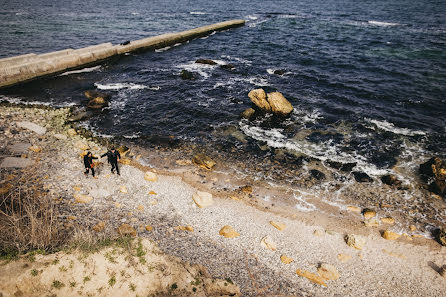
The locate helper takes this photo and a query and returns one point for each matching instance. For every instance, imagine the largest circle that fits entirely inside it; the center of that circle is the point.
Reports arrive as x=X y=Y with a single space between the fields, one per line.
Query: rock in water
x=279 y=72
x=433 y=172
x=203 y=161
x=391 y=180
x=258 y=97
x=203 y=199
x=228 y=232
x=328 y=272
x=97 y=103
x=205 y=61
x=279 y=104
x=227 y=66
x=248 y=113
x=362 y=177
x=187 y=75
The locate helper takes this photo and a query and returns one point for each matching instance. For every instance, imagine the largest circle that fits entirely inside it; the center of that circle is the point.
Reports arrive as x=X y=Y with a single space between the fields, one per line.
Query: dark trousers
x=115 y=165
x=87 y=170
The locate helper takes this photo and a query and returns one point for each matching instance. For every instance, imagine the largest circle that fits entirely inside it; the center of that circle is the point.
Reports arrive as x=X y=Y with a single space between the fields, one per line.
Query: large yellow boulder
x=279 y=104
x=258 y=97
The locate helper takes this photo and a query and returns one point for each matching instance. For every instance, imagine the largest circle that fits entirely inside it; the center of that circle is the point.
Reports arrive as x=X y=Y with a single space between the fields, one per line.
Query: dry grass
x=28 y=215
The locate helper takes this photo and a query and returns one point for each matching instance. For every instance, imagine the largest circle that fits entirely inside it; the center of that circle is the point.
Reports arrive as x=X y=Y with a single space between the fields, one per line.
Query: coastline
x=389 y=268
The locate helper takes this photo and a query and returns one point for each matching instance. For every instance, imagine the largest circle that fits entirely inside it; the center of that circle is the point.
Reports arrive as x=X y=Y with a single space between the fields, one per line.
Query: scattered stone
x=14 y=162
x=203 y=199
x=140 y=208
x=279 y=104
x=31 y=126
x=389 y=235
x=354 y=209
x=203 y=161
x=81 y=198
x=246 y=189
x=71 y=132
x=185 y=228
x=268 y=243
x=412 y=228
x=80 y=116
x=126 y=229
x=372 y=222
x=362 y=177
x=248 y=113
x=391 y=180
x=19 y=148
x=258 y=97
x=318 y=232
x=206 y=62
x=149 y=228
x=97 y=103
x=60 y=136
x=123 y=189
x=442 y=236
x=344 y=258
x=328 y=272
x=125 y=161
x=183 y=162
x=278 y=226
x=187 y=75
x=368 y=213
x=433 y=172
x=99 y=227
x=388 y=220
x=286 y=260
x=311 y=277
x=82 y=145
x=150 y=176
x=354 y=241
x=35 y=149
x=152 y=193
x=228 y=232
x=72 y=218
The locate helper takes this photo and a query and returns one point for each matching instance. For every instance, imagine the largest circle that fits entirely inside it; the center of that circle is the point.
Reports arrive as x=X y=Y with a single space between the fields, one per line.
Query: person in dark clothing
x=113 y=157
x=88 y=162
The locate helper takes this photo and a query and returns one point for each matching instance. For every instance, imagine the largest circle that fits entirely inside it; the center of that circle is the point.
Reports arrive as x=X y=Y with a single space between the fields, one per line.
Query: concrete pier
x=18 y=69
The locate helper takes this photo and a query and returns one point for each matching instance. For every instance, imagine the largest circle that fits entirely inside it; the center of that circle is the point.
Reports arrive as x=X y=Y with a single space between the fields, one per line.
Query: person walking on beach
x=88 y=162
x=113 y=157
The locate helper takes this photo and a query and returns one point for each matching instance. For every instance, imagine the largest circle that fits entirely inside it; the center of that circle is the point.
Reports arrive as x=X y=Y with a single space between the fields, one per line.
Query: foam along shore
x=14 y=70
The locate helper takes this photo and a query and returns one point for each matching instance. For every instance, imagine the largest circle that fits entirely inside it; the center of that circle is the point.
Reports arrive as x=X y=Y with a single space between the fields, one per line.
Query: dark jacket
x=88 y=160
x=112 y=157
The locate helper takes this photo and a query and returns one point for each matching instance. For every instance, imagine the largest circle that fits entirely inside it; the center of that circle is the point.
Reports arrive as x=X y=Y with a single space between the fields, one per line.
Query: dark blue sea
x=367 y=78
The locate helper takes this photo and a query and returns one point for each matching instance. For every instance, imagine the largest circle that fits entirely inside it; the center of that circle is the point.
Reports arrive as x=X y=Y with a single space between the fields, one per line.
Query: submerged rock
x=206 y=62
x=433 y=172
x=279 y=72
x=227 y=66
x=187 y=75
x=97 y=103
x=248 y=113
x=391 y=180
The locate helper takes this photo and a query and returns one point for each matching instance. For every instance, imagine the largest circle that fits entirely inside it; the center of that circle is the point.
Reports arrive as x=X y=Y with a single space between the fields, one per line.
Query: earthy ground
x=162 y=209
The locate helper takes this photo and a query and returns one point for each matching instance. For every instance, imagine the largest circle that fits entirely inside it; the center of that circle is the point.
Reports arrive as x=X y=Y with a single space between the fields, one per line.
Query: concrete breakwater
x=23 y=68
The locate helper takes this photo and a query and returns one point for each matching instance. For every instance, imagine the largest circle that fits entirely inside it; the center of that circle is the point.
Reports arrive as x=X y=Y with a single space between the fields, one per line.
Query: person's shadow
x=436 y=267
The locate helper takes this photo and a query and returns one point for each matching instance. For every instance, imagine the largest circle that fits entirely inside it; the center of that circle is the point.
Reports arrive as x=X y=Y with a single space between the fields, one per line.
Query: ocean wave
x=382 y=24
x=88 y=69
x=241 y=60
x=389 y=127
x=160 y=50
x=14 y=100
x=197 y=12
x=119 y=86
x=233 y=81
x=303 y=116
x=251 y=17
x=256 y=23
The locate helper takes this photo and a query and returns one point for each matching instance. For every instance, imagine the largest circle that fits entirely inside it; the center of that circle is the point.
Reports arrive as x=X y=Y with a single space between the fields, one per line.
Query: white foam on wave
x=132 y=136
x=135 y=13
x=88 y=69
x=233 y=81
x=120 y=86
x=160 y=50
x=197 y=12
x=202 y=69
x=15 y=100
x=251 y=17
x=389 y=127
x=304 y=116
x=241 y=60
x=256 y=23
x=382 y=24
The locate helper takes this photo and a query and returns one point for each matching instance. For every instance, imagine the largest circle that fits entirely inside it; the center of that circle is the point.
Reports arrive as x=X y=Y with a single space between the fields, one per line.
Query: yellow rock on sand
x=149 y=228
x=286 y=260
x=72 y=218
x=344 y=258
x=140 y=208
x=278 y=226
x=311 y=277
x=228 y=232
x=388 y=220
x=126 y=229
x=354 y=241
x=185 y=228
x=71 y=132
x=203 y=199
x=203 y=161
x=123 y=189
x=354 y=209
x=77 y=188
x=183 y=162
x=35 y=149
x=80 y=198
x=150 y=176
x=369 y=213
x=412 y=228
x=372 y=222
x=268 y=243
x=152 y=193
x=117 y=205
x=328 y=272
x=99 y=227
x=389 y=235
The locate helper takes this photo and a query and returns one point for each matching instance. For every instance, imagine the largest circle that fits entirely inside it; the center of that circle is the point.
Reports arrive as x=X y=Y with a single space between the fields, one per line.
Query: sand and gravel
x=404 y=267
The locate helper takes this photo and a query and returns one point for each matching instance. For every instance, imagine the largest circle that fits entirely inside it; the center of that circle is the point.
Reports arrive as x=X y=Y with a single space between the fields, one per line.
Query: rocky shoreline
x=273 y=246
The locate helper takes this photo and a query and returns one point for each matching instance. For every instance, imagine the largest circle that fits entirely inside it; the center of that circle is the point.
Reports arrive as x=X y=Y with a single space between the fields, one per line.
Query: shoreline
x=309 y=238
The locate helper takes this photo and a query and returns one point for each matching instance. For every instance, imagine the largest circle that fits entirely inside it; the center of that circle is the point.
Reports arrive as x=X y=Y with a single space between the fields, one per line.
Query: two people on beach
x=113 y=157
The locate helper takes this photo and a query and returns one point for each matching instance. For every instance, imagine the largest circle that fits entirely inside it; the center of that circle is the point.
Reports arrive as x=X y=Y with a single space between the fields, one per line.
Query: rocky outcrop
x=433 y=173
x=279 y=72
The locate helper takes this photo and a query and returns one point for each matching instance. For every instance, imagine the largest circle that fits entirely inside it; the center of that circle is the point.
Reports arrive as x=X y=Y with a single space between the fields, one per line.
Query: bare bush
x=28 y=214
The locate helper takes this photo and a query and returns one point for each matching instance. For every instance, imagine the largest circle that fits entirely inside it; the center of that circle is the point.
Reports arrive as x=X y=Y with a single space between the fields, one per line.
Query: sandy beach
x=269 y=251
